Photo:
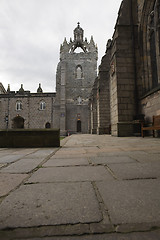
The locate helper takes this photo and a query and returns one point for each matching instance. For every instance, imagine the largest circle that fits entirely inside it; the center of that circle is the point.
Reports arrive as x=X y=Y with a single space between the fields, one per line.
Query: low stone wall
x=13 y=138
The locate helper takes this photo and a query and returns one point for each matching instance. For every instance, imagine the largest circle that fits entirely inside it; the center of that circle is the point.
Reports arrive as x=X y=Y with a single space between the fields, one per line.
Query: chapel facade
x=76 y=73
x=67 y=109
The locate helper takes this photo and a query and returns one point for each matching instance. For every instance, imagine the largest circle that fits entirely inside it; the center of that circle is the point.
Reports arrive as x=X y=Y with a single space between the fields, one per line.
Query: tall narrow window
x=79 y=73
x=42 y=105
x=18 y=106
x=152 y=39
x=158 y=22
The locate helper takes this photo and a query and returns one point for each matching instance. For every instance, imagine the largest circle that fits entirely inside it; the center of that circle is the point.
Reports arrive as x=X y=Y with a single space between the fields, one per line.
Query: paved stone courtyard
x=93 y=187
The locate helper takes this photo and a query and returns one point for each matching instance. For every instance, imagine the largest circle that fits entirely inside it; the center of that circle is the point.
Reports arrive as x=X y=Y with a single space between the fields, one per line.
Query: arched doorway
x=48 y=125
x=18 y=122
x=79 y=126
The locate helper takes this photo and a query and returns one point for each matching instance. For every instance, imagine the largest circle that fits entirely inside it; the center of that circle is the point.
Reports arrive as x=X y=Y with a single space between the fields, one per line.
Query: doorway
x=79 y=126
x=18 y=122
x=48 y=125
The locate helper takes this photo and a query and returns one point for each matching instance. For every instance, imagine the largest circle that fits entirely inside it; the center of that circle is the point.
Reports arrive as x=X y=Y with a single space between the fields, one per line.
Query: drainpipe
x=7 y=117
x=52 y=99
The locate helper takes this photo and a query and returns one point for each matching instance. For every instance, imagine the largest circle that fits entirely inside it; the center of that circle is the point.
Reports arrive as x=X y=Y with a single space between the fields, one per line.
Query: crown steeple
x=78 y=42
x=78 y=38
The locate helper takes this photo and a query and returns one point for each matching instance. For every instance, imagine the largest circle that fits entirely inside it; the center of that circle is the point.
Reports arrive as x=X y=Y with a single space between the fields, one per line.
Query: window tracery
x=152 y=46
x=79 y=73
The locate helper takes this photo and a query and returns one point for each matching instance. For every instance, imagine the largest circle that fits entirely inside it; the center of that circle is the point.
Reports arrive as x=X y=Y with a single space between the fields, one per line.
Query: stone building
x=66 y=109
x=130 y=71
x=23 y=109
x=76 y=73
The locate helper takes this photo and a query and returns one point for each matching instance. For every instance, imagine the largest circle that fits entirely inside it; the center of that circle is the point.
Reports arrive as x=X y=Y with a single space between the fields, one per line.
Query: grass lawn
x=61 y=138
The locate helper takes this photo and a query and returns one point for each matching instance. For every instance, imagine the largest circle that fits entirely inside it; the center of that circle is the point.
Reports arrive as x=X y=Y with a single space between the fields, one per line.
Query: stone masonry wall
x=4 y=103
x=103 y=101
x=122 y=82
x=33 y=116
x=150 y=106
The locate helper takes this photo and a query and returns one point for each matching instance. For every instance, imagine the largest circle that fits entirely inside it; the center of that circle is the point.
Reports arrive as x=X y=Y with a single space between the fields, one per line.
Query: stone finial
x=65 y=41
x=8 y=89
x=109 y=43
x=21 y=89
x=92 y=41
x=39 y=90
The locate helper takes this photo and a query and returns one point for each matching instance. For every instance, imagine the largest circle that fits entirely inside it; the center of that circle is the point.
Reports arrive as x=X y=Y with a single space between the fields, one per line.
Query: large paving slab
x=109 y=149
x=17 y=151
x=24 y=151
x=132 y=202
x=10 y=181
x=71 y=174
x=72 y=150
x=111 y=159
x=82 y=141
x=42 y=153
x=136 y=170
x=50 y=204
x=10 y=158
x=121 y=153
x=148 y=157
x=22 y=166
x=69 y=156
x=153 y=235
x=62 y=153
x=54 y=162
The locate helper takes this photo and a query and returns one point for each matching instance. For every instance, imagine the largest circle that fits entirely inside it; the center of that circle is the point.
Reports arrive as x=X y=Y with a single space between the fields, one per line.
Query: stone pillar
x=63 y=100
x=123 y=80
x=103 y=101
x=93 y=108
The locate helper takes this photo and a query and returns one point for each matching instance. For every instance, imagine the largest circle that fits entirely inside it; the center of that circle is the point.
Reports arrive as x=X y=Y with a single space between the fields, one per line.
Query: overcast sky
x=31 y=32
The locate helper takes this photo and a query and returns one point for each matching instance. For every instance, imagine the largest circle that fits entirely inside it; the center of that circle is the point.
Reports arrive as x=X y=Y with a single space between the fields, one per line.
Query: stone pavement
x=92 y=188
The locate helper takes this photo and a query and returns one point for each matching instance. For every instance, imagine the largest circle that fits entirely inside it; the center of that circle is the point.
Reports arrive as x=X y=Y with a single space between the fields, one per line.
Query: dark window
x=48 y=125
x=42 y=105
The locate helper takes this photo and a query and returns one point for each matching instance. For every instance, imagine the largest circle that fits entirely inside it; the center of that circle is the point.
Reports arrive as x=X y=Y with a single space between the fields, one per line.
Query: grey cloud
x=31 y=32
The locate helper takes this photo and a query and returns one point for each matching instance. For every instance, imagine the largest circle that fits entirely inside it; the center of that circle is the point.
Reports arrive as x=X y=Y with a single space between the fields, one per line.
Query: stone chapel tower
x=76 y=73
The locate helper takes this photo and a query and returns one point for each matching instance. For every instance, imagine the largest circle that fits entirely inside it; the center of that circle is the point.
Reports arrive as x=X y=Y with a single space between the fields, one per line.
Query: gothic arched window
x=18 y=106
x=153 y=52
x=42 y=105
x=158 y=22
x=79 y=73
